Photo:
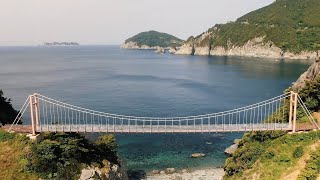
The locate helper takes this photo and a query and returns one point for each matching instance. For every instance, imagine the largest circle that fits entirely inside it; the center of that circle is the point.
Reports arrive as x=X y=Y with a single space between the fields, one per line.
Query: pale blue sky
x=32 y=22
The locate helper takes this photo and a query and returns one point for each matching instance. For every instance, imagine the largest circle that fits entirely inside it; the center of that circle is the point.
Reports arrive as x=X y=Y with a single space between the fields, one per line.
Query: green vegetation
x=310 y=94
x=62 y=156
x=312 y=169
x=13 y=148
x=292 y=25
x=154 y=38
x=268 y=155
x=7 y=113
x=57 y=156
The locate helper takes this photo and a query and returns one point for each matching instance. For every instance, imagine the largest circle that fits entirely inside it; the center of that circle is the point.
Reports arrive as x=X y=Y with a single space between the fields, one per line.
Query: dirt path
x=293 y=174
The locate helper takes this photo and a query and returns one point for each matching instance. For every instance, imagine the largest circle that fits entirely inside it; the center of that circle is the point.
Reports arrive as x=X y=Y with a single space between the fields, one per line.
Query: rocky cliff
x=288 y=29
x=256 y=47
x=309 y=75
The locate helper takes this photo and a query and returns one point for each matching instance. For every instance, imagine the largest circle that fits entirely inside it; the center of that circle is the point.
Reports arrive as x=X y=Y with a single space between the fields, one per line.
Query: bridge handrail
x=182 y=118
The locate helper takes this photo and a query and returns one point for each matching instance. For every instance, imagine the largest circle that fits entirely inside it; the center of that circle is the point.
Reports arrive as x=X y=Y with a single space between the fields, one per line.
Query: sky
x=110 y=22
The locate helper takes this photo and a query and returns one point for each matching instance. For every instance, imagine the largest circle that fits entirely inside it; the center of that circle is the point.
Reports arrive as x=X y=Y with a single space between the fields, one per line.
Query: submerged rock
x=197 y=155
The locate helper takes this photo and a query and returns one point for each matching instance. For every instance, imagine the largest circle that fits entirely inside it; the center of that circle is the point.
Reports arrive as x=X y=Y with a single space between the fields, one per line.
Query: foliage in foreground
x=268 y=154
x=7 y=113
x=62 y=155
x=58 y=156
x=12 y=148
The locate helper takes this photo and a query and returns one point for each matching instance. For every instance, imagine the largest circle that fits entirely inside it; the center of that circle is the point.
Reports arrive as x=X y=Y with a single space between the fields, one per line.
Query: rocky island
x=61 y=44
x=153 y=40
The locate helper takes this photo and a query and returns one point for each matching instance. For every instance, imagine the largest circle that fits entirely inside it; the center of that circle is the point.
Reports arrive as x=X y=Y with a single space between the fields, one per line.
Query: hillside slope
x=273 y=155
x=151 y=40
x=284 y=29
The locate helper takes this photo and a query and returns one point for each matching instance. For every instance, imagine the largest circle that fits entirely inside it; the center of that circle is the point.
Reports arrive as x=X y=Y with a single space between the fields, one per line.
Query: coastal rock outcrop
x=256 y=47
x=130 y=45
x=160 y=50
x=309 y=75
x=186 y=49
x=172 y=50
x=232 y=149
x=108 y=171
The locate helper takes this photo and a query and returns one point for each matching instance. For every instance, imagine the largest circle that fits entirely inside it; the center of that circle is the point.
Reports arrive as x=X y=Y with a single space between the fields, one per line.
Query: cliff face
x=256 y=47
x=288 y=29
x=309 y=75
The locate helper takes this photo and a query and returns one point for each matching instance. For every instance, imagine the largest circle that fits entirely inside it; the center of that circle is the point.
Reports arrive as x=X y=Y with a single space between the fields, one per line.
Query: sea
x=144 y=83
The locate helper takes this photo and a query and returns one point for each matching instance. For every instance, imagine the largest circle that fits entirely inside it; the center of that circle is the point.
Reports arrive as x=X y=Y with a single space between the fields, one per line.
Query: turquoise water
x=143 y=83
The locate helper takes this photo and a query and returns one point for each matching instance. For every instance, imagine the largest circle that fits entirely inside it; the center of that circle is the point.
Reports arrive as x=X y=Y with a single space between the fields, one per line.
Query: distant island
x=153 y=40
x=61 y=44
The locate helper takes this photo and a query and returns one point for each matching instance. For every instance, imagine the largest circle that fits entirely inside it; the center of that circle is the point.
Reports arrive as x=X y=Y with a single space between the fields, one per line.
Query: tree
x=7 y=112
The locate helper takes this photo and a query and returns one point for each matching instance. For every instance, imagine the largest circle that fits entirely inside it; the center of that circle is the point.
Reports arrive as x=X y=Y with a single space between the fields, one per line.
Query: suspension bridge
x=50 y=115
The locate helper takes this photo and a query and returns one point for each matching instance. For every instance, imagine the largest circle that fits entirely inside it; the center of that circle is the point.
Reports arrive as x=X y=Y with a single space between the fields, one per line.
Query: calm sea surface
x=143 y=83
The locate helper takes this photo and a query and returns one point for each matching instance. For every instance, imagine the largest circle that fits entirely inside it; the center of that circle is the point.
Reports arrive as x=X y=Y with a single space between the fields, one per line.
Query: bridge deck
x=162 y=128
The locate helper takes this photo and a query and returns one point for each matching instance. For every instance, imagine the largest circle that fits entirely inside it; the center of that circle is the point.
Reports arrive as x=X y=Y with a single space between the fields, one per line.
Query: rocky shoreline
x=256 y=48
x=194 y=174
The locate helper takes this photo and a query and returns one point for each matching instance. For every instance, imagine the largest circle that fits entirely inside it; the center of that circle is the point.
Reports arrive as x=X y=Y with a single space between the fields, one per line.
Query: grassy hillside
x=275 y=155
x=154 y=38
x=292 y=25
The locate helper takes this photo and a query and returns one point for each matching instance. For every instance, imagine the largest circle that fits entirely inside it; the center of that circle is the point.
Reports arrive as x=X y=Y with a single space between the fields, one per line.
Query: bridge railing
x=48 y=114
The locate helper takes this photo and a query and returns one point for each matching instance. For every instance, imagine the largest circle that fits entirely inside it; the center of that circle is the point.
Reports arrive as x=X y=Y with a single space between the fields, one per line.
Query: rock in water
x=197 y=155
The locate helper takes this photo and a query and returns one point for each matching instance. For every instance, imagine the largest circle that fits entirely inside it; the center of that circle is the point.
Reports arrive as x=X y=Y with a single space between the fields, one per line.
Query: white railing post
x=294 y=112
x=32 y=115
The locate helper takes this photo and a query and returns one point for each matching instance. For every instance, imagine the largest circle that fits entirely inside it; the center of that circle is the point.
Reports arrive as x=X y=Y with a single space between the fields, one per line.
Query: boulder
x=170 y=170
x=162 y=172
x=197 y=155
x=155 y=172
x=87 y=174
x=230 y=150
x=184 y=171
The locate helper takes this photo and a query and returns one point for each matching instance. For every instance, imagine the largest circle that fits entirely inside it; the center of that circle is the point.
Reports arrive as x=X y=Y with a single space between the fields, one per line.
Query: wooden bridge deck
x=158 y=129
x=162 y=128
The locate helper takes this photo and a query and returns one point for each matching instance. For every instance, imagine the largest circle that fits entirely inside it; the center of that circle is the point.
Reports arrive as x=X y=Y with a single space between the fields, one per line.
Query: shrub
x=298 y=152
x=5 y=136
x=61 y=155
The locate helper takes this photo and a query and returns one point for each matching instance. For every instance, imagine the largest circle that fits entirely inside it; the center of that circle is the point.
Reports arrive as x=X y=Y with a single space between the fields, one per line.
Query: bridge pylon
x=293 y=110
x=34 y=112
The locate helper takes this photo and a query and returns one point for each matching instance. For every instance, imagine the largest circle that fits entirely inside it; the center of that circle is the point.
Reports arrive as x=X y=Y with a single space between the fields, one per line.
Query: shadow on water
x=137 y=174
